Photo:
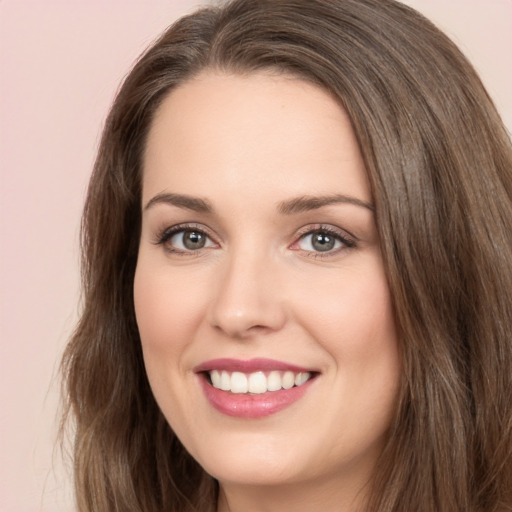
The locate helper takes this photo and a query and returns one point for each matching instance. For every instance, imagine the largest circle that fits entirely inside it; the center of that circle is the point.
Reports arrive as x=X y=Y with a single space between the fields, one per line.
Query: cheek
x=167 y=308
x=350 y=310
x=351 y=316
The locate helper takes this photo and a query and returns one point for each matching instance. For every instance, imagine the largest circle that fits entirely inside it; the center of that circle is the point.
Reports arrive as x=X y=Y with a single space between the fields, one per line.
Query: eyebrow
x=195 y=204
x=289 y=207
x=306 y=203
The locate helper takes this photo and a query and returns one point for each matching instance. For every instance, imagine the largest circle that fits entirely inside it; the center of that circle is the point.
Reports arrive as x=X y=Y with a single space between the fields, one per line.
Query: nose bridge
x=248 y=299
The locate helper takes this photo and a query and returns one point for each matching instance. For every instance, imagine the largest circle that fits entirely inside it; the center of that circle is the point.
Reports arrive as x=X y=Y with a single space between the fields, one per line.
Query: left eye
x=190 y=240
x=320 y=241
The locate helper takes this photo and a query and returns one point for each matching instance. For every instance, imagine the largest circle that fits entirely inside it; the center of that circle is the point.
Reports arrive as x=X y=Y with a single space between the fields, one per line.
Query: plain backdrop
x=60 y=65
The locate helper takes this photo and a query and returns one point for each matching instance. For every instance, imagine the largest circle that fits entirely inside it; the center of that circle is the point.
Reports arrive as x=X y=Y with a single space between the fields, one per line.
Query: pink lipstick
x=253 y=388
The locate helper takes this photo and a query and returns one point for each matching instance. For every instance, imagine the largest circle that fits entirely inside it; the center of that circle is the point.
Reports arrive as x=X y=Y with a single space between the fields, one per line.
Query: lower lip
x=252 y=406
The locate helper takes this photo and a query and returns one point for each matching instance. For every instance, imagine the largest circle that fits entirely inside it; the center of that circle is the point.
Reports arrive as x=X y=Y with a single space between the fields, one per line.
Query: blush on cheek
x=164 y=314
x=152 y=311
x=353 y=309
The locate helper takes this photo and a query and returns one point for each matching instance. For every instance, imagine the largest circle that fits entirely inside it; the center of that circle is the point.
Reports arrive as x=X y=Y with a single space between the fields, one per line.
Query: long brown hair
x=440 y=166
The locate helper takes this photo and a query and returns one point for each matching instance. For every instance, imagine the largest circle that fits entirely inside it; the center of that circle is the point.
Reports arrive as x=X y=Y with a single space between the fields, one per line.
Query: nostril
x=259 y=328
x=240 y=329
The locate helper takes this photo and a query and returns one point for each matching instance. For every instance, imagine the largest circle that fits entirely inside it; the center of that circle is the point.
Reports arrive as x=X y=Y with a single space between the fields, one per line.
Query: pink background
x=60 y=65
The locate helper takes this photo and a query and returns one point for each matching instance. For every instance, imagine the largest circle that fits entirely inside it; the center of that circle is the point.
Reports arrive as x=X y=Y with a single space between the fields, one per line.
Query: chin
x=252 y=460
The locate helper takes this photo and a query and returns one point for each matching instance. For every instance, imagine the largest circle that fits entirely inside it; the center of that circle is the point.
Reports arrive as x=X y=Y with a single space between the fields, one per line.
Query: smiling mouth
x=258 y=382
x=254 y=388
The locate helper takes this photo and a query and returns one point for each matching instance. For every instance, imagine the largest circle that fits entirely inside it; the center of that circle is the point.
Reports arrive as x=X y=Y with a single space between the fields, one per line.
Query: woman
x=297 y=278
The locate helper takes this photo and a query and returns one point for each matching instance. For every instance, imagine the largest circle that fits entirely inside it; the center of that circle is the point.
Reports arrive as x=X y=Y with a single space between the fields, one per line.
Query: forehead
x=259 y=130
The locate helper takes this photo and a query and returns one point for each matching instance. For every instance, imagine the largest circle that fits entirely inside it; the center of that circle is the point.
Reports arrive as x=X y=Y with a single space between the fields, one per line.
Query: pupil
x=193 y=240
x=323 y=242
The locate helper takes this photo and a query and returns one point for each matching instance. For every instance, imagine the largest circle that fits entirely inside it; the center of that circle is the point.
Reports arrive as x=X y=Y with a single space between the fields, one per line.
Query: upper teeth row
x=257 y=382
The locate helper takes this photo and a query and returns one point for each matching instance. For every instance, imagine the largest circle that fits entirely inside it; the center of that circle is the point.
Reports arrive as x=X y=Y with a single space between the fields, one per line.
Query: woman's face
x=261 y=298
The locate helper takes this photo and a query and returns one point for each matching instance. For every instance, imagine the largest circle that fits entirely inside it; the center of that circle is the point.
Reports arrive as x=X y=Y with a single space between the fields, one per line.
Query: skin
x=260 y=288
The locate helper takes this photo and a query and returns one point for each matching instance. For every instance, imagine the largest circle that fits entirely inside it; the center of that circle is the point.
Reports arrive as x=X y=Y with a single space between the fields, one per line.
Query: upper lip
x=248 y=366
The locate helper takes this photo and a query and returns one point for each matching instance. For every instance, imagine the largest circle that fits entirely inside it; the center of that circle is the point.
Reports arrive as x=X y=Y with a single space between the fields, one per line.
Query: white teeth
x=238 y=383
x=288 y=380
x=257 y=382
x=216 y=379
x=274 y=381
x=225 y=381
x=301 y=378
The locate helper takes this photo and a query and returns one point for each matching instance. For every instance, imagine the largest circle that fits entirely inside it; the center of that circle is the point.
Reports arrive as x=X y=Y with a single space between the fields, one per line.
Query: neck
x=300 y=497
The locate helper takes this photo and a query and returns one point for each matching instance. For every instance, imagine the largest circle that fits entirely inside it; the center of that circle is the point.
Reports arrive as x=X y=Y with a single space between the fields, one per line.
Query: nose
x=248 y=299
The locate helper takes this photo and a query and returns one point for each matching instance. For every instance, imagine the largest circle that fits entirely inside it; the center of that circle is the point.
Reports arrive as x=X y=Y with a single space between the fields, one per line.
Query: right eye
x=185 y=240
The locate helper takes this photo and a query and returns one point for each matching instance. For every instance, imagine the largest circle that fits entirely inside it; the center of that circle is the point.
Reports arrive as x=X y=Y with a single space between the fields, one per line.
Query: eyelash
x=166 y=235
x=347 y=241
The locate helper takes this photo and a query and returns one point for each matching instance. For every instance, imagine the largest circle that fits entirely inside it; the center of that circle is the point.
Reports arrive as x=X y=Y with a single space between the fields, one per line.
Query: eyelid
x=348 y=240
x=331 y=228
x=162 y=236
